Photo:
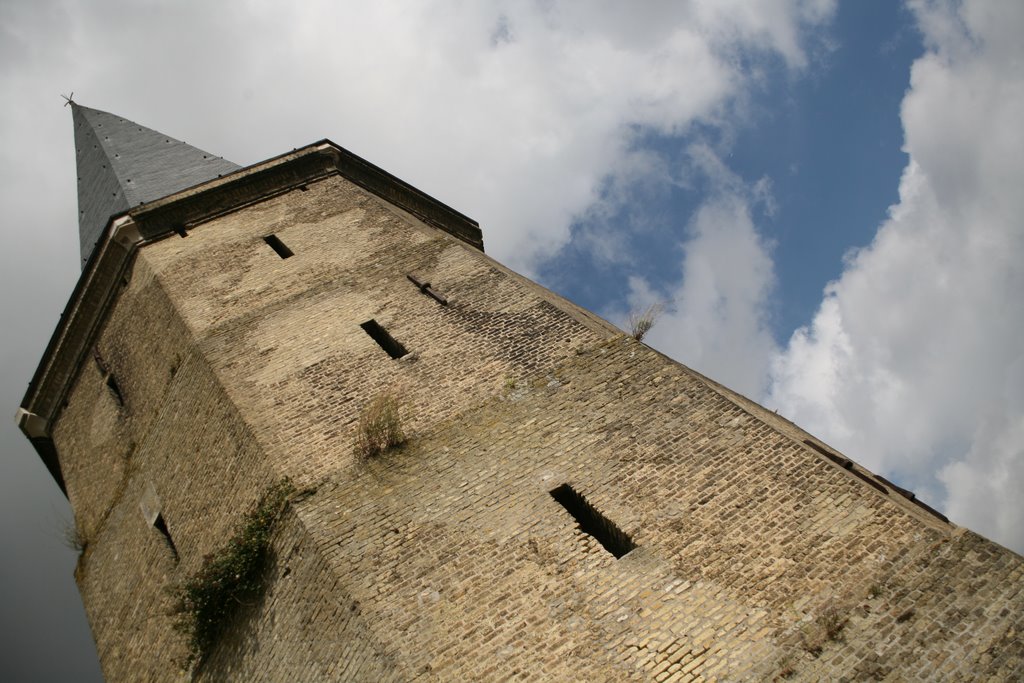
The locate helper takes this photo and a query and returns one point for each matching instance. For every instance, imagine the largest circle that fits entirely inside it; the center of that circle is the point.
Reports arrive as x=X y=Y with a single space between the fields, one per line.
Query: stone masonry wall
x=284 y=335
x=448 y=558
x=176 y=434
x=304 y=628
x=745 y=540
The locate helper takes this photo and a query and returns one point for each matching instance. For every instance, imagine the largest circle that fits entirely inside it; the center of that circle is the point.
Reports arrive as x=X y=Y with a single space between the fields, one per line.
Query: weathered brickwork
x=305 y=628
x=744 y=537
x=172 y=431
x=285 y=337
x=447 y=558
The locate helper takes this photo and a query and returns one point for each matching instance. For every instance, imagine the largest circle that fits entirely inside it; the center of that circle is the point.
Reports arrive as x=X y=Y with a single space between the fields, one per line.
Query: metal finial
x=69 y=99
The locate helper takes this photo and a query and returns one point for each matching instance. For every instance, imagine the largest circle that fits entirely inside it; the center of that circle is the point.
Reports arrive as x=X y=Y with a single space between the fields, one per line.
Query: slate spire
x=122 y=164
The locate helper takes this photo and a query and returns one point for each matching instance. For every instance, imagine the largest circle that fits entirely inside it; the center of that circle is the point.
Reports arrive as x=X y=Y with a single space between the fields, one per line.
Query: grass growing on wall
x=641 y=322
x=230 y=577
x=380 y=427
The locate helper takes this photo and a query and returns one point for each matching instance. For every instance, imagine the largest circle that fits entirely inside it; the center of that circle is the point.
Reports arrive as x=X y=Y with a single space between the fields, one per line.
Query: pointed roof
x=122 y=164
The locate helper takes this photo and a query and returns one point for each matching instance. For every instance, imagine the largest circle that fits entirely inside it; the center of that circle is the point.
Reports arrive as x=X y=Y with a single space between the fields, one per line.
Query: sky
x=824 y=198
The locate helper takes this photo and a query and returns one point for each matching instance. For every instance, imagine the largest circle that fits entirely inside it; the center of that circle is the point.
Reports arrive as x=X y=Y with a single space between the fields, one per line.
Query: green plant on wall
x=230 y=577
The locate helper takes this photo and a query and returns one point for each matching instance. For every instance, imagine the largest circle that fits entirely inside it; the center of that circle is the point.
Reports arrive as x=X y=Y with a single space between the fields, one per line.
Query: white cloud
x=913 y=364
x=515 y=112
x=772 y=24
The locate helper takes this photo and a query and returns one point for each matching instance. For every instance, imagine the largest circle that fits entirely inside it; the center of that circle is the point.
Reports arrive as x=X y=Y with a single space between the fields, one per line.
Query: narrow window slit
x=161 y=526
x=383 y=339
x=115 y=389
x=278 y=246
x=592 y=522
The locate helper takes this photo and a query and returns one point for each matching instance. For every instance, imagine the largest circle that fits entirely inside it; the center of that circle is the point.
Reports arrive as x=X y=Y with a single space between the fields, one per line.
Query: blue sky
x=829 y=139
x=831 y=143
x=825 y=195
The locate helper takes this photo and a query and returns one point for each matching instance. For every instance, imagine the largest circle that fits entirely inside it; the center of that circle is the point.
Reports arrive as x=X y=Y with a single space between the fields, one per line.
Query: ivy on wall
x=230 y=577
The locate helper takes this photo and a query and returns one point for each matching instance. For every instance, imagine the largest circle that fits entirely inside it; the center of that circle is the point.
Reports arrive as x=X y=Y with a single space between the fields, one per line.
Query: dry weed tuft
x=380 y=427
x=641 y=322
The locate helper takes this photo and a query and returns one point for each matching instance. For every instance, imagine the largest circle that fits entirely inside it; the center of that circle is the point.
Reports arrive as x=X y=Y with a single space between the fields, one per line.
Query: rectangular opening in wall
x=161 y=526
x=591 y=522
x=383 y=339
x=180 y=229
x=278 y=246
x=115 y=389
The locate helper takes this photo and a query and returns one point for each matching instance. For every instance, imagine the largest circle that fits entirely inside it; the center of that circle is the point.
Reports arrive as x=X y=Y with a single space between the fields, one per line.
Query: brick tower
x=569 y=504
